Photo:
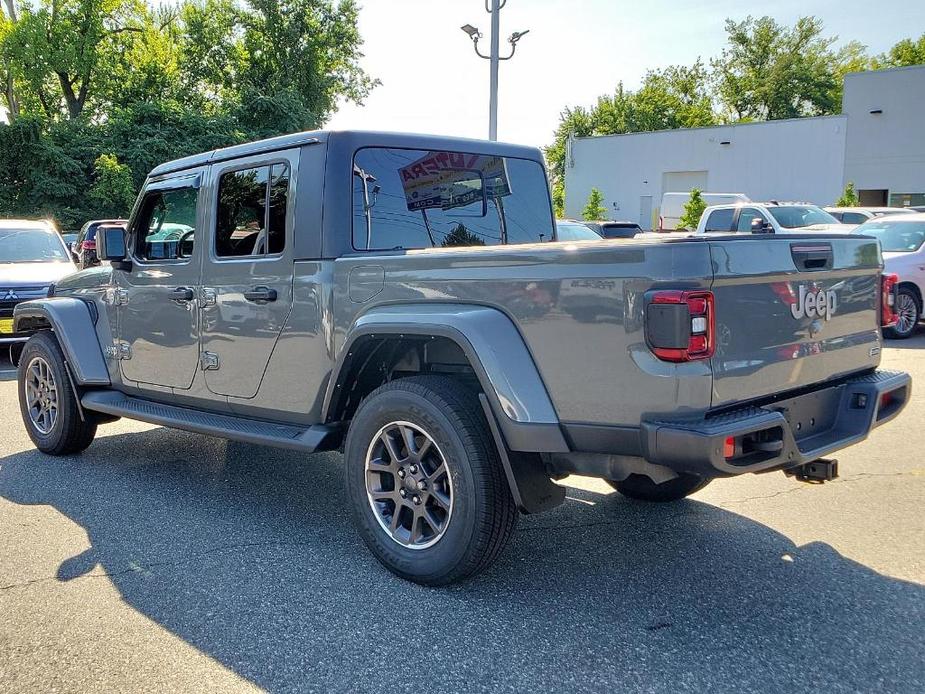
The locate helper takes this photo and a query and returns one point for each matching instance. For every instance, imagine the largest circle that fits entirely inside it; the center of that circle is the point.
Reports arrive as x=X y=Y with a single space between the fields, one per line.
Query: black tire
x=69 y=433
x=483 y=515
x=906 y=302
x=642 y=488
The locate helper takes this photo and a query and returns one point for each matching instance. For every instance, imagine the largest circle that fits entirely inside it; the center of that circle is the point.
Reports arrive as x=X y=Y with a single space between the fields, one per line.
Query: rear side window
x=251 y=216
x=852 y=218
x=405 y=198
x=166 y=224
x=720 y=220
x=746 y=216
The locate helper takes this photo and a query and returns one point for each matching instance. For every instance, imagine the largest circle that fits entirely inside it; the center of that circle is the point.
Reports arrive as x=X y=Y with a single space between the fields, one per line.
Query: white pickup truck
x=768 y=218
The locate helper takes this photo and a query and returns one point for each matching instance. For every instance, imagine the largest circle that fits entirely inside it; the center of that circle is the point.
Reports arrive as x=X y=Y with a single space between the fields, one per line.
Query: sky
x=432 y=81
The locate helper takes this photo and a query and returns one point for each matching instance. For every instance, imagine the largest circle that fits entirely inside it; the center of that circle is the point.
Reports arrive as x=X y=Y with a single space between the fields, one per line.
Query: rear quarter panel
x=577 y=305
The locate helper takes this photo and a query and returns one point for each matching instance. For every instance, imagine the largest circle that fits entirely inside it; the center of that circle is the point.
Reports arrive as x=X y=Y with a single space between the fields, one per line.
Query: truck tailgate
x=792 y=311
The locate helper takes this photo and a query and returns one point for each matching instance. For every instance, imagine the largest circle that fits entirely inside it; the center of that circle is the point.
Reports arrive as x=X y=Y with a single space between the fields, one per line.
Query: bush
x=849 y=198
x=595 y=209
x=693 y=210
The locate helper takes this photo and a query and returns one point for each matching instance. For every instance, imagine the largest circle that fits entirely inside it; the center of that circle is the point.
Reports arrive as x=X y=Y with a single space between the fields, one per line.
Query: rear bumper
x=780 y=435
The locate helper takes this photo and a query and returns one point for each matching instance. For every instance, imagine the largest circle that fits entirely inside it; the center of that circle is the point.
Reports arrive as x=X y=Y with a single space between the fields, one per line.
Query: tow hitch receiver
x=816 y=472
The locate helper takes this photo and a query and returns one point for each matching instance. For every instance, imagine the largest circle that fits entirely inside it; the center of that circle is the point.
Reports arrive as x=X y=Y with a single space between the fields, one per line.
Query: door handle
x=260 y=294
x=180 y=294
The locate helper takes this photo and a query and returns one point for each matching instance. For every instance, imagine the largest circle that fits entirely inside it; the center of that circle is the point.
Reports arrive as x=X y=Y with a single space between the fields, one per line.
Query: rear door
x=247 y=292
x=792 y=311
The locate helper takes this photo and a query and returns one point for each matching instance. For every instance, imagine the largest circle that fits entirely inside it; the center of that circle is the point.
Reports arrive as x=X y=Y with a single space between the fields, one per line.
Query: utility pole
x=493 y=7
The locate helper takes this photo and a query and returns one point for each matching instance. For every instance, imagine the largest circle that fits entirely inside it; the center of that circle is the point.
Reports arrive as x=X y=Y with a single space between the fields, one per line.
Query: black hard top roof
x=349 y=138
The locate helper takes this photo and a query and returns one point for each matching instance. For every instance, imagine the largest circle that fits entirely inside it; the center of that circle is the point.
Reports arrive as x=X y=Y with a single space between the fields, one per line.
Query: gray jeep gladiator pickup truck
x=404 y=297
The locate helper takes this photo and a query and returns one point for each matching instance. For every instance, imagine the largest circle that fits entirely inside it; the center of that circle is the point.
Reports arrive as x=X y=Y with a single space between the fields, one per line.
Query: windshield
x=573 y=231
x=796 y=216
x=31 y=246
x=895 y=237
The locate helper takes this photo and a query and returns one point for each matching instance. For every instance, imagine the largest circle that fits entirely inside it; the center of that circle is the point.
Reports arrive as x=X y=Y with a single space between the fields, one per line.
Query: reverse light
x=888 y=315
x=680 y=325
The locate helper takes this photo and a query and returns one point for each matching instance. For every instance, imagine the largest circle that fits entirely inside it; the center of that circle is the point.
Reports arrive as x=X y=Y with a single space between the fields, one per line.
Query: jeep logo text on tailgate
x=814 y=304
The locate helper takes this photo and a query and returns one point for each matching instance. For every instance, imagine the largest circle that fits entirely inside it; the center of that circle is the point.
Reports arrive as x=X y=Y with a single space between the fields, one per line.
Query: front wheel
x=642 y=488
x=907 y=315
x=426 y=486
x=47 y=401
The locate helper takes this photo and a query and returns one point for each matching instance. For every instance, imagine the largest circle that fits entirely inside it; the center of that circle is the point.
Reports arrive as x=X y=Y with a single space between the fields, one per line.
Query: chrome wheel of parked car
x=41 y=392
x=907 y=314
x=408 y=485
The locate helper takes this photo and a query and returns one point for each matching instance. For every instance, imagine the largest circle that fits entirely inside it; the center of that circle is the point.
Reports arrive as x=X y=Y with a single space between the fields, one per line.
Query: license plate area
x=6 y=326
x=812 y=414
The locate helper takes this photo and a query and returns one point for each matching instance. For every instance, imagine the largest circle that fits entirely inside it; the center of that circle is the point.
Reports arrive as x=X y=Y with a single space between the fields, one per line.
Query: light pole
x=493 y=7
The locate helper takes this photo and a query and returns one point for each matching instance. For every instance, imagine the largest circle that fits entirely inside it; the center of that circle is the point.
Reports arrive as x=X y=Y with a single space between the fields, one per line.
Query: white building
x=877 y=142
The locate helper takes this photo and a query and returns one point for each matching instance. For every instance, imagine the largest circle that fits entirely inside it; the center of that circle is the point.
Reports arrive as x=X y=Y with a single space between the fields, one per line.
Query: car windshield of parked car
x=573 y=231
x=31 y=246
x=796 y=216
x=895 y=237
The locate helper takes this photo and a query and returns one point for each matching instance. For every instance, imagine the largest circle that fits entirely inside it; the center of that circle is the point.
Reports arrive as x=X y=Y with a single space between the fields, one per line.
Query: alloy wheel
x=41 y=395
x=408 y=485
x=907 y=313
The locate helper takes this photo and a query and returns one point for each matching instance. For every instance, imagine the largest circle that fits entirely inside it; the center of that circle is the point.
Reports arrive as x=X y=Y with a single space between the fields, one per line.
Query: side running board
x=317 y=437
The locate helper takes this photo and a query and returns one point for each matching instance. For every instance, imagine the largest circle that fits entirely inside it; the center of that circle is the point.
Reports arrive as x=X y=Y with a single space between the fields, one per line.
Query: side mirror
x=110 y=244
x=759 y=226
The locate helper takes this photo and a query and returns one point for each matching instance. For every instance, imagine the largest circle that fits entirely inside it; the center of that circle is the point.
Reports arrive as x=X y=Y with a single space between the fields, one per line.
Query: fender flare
x=495 y=349
x=73 y=325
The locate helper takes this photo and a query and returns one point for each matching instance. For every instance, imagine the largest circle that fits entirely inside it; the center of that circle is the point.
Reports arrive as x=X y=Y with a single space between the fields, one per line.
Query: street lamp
x=495 y=10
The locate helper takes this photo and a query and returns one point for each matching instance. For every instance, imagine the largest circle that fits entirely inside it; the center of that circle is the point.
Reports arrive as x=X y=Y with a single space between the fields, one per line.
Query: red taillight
x=888 y=315
x=729 y=447
x=88 y=245
x=698 y=329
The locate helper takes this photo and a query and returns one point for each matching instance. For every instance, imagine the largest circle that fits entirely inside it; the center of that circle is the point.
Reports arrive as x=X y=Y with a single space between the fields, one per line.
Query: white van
x=673 y=206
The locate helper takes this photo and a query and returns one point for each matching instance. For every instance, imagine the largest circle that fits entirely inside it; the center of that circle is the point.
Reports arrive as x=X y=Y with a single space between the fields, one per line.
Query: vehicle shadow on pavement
x=248 y=554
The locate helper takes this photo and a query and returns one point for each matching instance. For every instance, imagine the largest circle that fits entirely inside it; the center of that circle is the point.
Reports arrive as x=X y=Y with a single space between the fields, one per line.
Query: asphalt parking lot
x=163 y=560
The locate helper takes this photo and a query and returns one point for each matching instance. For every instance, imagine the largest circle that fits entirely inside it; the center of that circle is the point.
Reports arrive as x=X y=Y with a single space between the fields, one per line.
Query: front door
x=158 y=320
x=247 y=291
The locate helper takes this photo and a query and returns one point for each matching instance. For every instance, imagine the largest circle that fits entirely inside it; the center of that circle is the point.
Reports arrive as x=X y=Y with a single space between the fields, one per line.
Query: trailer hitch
x=816 y=472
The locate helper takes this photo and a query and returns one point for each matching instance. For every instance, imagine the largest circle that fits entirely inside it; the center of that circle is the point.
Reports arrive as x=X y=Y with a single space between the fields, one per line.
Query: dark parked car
x=84 y=248
x=615 y=230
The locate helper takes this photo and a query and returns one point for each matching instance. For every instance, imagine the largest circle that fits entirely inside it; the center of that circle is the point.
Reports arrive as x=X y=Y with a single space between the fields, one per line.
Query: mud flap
x=531 y=487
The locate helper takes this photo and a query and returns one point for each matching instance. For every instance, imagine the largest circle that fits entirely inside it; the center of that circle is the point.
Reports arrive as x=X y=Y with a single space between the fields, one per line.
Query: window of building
x=166 y=224
x=404 y=198
x=720 y=220
x=251 y=216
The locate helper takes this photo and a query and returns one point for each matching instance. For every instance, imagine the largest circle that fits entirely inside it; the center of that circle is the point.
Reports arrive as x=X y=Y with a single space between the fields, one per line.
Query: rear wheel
x=907 y=313
x=47 y=401
x=426 y=486
x=643 y=488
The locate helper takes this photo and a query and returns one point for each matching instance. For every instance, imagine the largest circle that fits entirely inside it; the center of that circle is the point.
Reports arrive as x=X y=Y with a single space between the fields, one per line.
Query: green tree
x=849 y=198
x=594 y=209
x=113 y=191
x=55 y=50
x=460 y=236
x=693 y=210
x=770 y=71
x=573 y=122
x=906 y=52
